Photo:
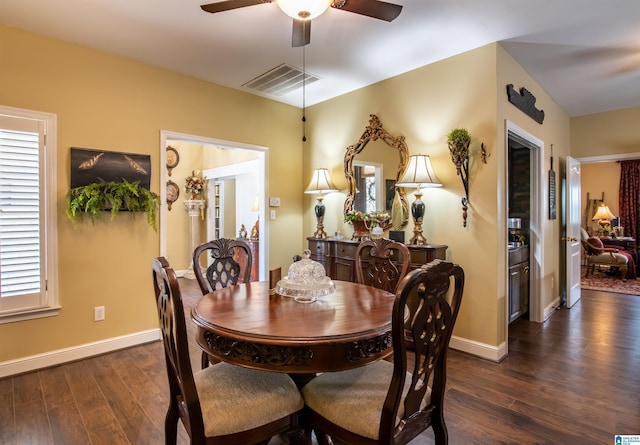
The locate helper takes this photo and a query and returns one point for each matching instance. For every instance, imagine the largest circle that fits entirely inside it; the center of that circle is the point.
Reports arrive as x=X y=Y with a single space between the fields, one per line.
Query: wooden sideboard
x=338 y=256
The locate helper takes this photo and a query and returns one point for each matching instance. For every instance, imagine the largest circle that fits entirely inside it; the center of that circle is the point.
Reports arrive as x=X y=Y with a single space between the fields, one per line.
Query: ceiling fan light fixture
x=303 y=9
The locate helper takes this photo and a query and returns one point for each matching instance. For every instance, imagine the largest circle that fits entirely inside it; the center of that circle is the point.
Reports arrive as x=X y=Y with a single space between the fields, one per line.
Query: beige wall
x=610 y=133
x=178 y=222
x=106 y=102
x=554 y=131
x=111 y=103
x=601 y=137
x=597 y=179
x=468 y=90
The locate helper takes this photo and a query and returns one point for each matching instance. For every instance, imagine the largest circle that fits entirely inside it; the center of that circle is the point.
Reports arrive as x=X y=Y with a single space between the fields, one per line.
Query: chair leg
x=171 y=423
x=204 y=360
x=440 y=432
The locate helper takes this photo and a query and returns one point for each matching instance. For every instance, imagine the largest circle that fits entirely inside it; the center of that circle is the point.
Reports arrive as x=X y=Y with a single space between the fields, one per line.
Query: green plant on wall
x=458 y=141
x=95 y=199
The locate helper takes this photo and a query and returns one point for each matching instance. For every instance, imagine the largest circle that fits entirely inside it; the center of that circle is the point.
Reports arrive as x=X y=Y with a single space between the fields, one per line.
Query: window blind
x=20 y=239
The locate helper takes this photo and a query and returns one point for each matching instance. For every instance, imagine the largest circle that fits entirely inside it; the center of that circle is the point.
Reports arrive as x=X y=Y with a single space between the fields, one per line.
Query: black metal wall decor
x=89 y=166
x=526 y=102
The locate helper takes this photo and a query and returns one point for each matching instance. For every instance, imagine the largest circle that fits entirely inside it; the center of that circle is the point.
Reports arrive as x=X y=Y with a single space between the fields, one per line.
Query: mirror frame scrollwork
x=372 y=132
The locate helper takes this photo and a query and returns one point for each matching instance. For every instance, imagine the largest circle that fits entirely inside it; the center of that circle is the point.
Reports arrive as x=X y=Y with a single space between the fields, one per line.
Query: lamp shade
x=419 y=173
x=603 y=213
x=321 y=182
x=303 y=9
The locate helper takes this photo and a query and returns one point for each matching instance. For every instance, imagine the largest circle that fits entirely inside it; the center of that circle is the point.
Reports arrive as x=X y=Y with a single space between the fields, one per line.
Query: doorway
x=535 y=234
x=212 y=155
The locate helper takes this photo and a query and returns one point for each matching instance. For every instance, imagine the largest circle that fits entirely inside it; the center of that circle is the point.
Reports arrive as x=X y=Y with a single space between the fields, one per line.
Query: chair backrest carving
x=438 y=286
x=382 y=263
x=224 y=269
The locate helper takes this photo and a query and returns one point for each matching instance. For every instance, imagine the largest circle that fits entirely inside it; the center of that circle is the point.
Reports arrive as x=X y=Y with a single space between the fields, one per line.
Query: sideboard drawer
x=426 y=253
x=318 y=247
x=346 y=250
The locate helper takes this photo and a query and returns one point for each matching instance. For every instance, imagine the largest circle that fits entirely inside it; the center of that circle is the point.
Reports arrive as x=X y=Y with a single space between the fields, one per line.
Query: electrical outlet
x=98 y=313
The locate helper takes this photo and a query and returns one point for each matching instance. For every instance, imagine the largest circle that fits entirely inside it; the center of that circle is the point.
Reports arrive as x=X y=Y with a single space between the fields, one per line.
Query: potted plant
x=362 y=223
x=93 y=200
x=458 y=140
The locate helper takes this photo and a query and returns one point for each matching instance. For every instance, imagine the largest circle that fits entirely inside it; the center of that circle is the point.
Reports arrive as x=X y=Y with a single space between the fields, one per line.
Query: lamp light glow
x=603 y=216
x=303 y=9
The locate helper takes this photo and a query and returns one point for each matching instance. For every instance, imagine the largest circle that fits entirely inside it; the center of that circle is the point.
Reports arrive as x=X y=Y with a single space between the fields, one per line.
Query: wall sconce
x=320 y=183
x=458 y=141
x=419 y=173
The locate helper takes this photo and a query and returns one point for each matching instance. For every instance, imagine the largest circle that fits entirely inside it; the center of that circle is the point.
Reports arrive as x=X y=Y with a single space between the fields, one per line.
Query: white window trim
x=51 y=306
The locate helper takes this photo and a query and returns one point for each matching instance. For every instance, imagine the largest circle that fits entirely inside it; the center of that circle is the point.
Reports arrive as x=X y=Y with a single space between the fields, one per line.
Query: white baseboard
x=39 y=361
x=550 y=309
x=482 y=350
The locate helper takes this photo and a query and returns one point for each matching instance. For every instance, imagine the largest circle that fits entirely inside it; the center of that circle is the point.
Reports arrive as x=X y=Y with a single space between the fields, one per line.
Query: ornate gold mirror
x=397 y=198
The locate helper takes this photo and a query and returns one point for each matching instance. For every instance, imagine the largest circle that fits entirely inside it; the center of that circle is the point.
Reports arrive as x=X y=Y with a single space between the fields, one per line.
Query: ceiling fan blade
x=228 y=5
x=301 y=33
x=371 y=8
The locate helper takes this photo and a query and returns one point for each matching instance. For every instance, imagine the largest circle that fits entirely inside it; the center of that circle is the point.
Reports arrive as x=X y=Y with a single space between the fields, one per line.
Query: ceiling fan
x=302 y=11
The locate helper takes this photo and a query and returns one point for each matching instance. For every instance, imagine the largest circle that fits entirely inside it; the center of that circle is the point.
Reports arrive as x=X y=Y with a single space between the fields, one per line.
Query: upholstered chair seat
x=332 y=396
x=234 y=399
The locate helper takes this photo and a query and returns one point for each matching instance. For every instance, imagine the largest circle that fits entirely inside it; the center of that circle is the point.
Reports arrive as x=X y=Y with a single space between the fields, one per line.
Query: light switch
x=274 y=202
x=273 y=214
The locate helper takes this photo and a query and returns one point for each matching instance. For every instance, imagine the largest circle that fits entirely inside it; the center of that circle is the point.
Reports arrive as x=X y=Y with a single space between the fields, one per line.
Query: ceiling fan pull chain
x=304 y=82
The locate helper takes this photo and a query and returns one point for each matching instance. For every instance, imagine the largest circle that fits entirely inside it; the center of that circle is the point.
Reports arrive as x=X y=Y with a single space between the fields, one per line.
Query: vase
x=361 y=230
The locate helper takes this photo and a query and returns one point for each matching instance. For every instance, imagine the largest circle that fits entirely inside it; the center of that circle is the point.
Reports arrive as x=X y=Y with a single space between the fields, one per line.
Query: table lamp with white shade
x=320 y=183
x=603 y=216
x=419 y=173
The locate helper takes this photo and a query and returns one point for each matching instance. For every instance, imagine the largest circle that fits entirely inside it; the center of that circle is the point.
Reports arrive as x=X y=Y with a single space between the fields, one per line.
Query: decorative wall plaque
x=526 y=102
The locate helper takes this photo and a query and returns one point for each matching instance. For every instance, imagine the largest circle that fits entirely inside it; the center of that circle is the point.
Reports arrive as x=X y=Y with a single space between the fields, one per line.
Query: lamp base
x=417 y=238
x=320 y=233
x=319 y=210
x=417 y=211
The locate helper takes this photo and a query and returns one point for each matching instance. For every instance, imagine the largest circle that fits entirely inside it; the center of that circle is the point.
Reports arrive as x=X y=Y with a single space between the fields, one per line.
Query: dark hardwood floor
x=572 y=380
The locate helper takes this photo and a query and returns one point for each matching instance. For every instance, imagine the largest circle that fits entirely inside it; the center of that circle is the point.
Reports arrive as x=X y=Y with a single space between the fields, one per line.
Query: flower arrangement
x=357 y=215
x=194 y=184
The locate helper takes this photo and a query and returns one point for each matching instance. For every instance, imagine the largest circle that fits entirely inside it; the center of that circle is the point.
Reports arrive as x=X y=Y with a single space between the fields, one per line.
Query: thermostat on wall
x=274 y=202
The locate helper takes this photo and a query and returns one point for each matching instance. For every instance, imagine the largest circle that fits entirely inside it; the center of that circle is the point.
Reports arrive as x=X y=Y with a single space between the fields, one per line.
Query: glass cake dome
x=305 y=281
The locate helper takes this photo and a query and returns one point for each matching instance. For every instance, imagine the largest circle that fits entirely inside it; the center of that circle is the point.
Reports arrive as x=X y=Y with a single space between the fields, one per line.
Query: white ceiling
x=584 y=53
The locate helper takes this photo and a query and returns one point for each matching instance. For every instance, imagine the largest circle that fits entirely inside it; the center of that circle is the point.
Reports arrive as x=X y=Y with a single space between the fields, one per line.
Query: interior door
x=572 y=235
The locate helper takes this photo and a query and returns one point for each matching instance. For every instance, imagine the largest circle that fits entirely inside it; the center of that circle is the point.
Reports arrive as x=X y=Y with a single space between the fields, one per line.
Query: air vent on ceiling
x=280 y=80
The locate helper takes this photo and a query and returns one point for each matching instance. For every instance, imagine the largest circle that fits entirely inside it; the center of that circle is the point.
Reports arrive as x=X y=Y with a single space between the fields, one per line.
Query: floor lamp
x=320 y=183
x=419 y=173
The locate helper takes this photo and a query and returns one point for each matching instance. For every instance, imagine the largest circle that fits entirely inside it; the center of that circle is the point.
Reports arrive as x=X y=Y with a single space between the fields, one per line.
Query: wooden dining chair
x=231 y=262
x=383 y=402
x=222 y=404
x=381 y=263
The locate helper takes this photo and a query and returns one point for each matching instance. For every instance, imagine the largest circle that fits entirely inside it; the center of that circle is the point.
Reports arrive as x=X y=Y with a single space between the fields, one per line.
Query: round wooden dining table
x=248 y=325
